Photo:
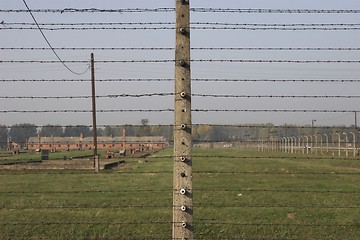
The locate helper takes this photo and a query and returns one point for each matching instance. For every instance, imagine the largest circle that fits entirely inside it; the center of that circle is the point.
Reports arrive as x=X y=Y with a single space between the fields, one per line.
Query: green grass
x=237 y=195
x=28 y=156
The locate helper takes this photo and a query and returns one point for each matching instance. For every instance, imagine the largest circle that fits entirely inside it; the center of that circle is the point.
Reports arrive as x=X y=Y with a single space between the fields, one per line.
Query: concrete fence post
x=183 y=226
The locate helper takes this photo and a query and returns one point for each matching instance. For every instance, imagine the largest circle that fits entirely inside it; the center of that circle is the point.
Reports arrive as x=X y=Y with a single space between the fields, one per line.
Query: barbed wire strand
x=213 y=190
x=194 y=80
x=262 y=126
x=193 y=48
x=193 y=110
x=199 y=10
x=198 y=205
x=277 y=11
x=192 y=60
x=192 y=23
x=172 y=94
x=194 y=28
x=93 y=10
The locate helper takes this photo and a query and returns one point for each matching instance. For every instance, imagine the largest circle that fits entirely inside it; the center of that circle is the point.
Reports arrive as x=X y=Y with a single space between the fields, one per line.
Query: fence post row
x=182 y=179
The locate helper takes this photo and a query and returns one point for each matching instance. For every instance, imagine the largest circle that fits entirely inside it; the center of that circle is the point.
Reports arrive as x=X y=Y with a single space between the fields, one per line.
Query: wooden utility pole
x=183 y=226
x=96 y=157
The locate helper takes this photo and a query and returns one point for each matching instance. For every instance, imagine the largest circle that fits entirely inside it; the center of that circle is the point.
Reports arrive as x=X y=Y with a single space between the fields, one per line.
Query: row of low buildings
x=128 y=143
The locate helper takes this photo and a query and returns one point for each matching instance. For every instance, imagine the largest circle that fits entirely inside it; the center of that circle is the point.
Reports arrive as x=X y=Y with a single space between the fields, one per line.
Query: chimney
x=9 y=144
x=52 y=143
x=39 y=140
x=124 y=138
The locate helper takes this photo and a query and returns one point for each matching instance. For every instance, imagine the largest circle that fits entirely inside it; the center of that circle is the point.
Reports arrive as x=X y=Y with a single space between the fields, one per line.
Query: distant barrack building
x=129 y=143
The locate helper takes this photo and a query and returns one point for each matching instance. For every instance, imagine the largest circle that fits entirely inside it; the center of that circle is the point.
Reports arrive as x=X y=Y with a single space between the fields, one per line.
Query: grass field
x=32 y=156
x=237 y=195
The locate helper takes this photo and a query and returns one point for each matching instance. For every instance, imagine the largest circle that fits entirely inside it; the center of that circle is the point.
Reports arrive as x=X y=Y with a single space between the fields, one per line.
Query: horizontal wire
x=194 y=80
x=279 y=28
x=267 y=237
x=264 y=224
x=203 y=221
x=88 y=191
x=112 y=23
x=239 y=172
x=172 y=94
x=97 y=48
x=330 y=158
x=271 y=61
x=287 y=11
x=106 y=237
x=200 y=10
x=138 y=237
x=278 y=48
x=275 y=173
x=88 y=96
x=89 y=80
x=244 y=173
x=276 y=24
x=193 y=110
x=194 y=28
x=197 y=205
x=276 y=110
x=276 y=80
x=306 y=157
x=44 y=223
x=263 y=126
x=88 y=28
x=273 y=206
x=87 y=111
x=84 y=125
x=193 y=60
x=85 y=61
x=91 y=207
x=279 y=191
x=192 y=23
x=287 y=126
x=91 y=10
x=193 y=48
x=270 y=96
x=213 y=190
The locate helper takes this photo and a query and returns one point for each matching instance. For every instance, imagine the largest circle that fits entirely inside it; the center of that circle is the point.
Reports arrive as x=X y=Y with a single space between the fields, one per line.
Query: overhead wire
x=49 y=44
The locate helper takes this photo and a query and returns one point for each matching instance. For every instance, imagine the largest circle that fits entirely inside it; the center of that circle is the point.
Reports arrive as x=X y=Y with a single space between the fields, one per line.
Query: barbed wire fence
x=218 y=217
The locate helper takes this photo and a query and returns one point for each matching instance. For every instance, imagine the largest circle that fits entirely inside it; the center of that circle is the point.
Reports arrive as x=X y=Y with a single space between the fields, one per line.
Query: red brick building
x=129 y=143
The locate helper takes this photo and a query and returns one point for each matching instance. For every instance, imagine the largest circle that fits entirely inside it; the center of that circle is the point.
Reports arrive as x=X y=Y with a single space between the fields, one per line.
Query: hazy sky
x=165 y=39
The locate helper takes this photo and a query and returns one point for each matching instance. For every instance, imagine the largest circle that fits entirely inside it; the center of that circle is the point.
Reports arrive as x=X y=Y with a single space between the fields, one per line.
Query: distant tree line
x=255 y=132
x=20 y=133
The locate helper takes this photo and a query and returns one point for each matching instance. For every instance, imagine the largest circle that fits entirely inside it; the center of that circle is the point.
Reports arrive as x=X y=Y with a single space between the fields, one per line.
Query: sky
x=10 y=38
